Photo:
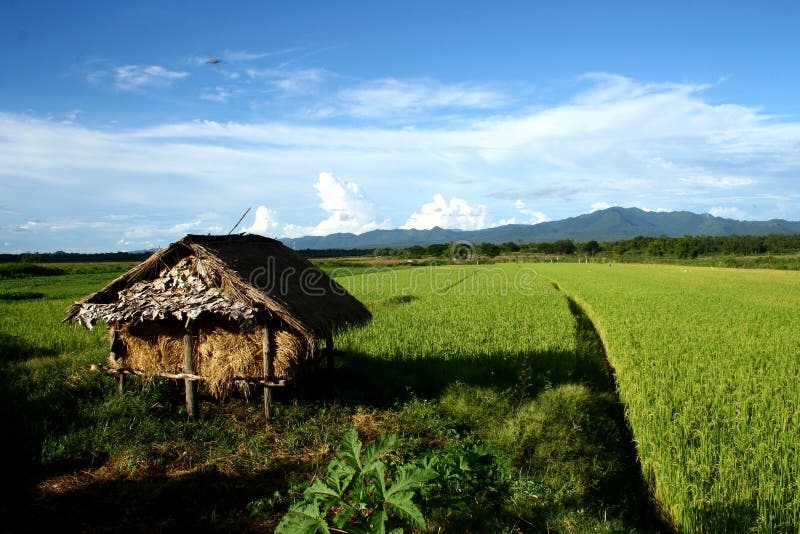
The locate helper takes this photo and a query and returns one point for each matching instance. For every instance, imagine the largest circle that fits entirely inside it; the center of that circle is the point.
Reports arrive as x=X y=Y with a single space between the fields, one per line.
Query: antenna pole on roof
x=237 y=222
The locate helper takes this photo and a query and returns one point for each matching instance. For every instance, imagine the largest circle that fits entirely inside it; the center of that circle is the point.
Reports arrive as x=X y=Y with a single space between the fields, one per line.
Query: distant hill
x=603 y=225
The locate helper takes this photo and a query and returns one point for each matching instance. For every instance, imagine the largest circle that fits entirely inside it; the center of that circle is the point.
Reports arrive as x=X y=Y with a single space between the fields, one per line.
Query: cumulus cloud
x=455 y=214
x=348 y=208
x=265 y=222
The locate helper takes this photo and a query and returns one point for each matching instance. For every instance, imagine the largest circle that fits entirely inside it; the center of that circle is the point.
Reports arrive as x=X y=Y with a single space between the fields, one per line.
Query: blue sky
x=116 y=133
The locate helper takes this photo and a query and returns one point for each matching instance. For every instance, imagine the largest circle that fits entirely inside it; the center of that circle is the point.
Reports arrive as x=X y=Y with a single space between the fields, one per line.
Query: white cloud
x=264 y=223
x=290 y=80
x=534 y=216
x=243 y=55
x=30 y=225
x=597 y=206
x=390 y=97
x=60 y=225
x=218 y=94
x=199 y=224
x=72 y=114
x=729 y=212
x=349 y=210
x=608 y=88
x=130 y=77
x=724 y=182
x=456 y=214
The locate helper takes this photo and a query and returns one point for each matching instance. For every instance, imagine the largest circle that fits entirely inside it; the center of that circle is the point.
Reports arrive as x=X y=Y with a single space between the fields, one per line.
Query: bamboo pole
x=188 y=367
x=268 y=350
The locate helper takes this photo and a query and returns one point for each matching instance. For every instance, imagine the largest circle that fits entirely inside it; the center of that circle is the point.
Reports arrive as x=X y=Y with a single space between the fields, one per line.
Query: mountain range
x=610 y=224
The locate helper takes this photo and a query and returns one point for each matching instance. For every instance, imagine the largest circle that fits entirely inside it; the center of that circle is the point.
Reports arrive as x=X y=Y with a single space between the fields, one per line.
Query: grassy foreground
x=707 y=362
x=487 y=370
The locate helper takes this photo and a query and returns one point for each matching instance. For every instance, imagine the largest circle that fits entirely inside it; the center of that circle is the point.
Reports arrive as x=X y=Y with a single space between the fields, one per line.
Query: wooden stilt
x=121 y=384
x=268 y=351
x=188 y=367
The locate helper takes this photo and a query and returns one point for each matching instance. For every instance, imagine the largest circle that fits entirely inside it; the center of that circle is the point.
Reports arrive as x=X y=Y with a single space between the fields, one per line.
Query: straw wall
x=221 y=352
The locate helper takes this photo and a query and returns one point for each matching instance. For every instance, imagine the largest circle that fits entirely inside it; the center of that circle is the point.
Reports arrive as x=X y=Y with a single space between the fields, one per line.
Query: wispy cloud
x=390 y=97
x=724 y=182
x=132 y=77
x=217 y=94
x=536 y=193
x=606 y=88
x=290 y=80
x=238 y=56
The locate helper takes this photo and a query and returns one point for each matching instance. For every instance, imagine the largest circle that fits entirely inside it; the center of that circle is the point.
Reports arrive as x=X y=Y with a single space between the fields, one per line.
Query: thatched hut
x=221 y=310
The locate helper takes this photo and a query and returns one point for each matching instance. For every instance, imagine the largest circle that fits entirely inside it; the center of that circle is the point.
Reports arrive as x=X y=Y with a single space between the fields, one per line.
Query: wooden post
x=329 y=346
x=188 y=367
x=268 y=351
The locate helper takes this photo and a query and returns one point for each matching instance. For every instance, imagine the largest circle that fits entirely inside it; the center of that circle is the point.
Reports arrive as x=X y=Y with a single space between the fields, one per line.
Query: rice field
x=457 y=359
x=707 y=362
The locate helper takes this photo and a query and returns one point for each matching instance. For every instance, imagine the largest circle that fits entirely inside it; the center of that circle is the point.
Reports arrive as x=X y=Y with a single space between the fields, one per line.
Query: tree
x=489 y=249
x=416 y=251
x=437 y=249
x=591 y=247
x=564 y=246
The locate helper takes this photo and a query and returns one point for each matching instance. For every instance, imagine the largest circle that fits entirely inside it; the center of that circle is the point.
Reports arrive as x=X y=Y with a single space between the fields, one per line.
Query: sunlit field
x=707 y=362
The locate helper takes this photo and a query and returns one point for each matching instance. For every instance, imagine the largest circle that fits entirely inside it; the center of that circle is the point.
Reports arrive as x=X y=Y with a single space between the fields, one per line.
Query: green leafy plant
x=468 y=487
x=358 y=494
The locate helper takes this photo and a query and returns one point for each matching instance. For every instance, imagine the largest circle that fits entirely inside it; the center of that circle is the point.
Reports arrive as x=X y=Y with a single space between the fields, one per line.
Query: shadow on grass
x=34 y=405
x=13 y=349
x=200 y=501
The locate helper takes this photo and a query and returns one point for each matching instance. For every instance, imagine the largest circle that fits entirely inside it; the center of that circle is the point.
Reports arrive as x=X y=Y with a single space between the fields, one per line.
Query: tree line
x=663 y=246
x=658 y=247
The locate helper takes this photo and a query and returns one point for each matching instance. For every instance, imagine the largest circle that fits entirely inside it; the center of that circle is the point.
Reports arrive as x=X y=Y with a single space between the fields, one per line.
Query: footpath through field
x=707 y=364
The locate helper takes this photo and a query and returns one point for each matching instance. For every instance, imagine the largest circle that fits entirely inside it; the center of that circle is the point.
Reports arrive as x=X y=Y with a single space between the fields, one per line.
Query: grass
x=707 y=363
x=458 y=362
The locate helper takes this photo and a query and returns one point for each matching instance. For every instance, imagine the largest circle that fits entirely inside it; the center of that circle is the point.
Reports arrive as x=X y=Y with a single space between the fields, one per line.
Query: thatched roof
x=234 y=276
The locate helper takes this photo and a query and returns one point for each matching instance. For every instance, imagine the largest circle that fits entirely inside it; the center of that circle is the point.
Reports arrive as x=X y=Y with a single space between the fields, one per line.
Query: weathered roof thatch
x=234 y=276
